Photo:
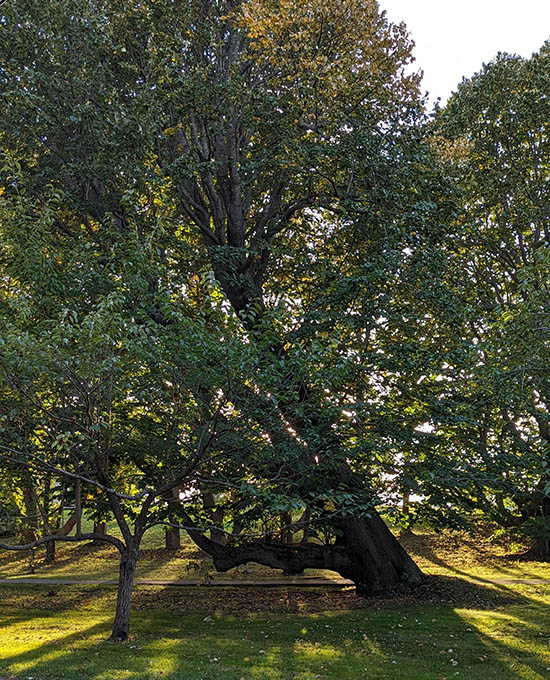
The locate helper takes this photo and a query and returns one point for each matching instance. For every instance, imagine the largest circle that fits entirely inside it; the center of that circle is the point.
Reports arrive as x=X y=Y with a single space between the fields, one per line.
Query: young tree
x=104 y=401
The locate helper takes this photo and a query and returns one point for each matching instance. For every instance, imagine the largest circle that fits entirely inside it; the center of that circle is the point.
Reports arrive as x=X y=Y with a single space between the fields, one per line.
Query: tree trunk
x=69 y=525
x=406 y=502
x=49 y=527
x=375 y=560
x=368 y=554
x=217 y=534
x=216 y=515
x=407 y=529
x=172 y=538
x=304 y=525
x=50 y=552
x=285 y=518
x=539 y=552
x=381 y=562
x=61 y=531
x=127 y=569
x=30 y=528
x=99 y=528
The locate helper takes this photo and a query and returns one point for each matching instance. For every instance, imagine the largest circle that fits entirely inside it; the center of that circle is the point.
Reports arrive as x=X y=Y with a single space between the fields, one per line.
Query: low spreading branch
x=67 y=539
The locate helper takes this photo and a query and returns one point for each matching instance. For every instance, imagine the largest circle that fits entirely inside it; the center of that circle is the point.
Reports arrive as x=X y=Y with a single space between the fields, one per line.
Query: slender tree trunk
x=303 y=523
x=48 y=527
x=172 y=540
x=287 y=536
x=78 y=505
x=286 y=530
x=407 y=530
x=406 y=502
x=216 y=515
x=99 y=528
x=50 y=552
x=127 y=570
x=217 y=534
x=29 y=532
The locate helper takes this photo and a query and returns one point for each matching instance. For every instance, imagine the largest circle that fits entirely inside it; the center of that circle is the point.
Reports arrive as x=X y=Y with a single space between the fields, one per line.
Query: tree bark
x=533 y=511
x=368 y=554
x=407 y=530
x=172 y=539
x=69 y=525
x=99 y=528
x=50 y=546
x=285 y=518
x=541 y=549
x=63 y=531
x=216 y=515
x=539 y=552
x=406 y=502
x=50 y=552
x=127 y=570
x=380 y=563
x=30 y=530
x=304 y=525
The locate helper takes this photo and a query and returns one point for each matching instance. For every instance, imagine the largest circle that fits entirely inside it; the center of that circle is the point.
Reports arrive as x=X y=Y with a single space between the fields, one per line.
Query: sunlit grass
x=496 y=631
x=417 y=642
x=445 y=553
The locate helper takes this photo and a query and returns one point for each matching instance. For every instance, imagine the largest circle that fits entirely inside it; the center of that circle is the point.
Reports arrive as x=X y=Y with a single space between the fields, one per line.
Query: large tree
x=273 y=143
x=493 y=141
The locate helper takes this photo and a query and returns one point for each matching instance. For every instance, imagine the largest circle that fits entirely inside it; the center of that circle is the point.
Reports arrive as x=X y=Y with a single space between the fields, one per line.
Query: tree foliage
x=204 y=206
x=494 y=143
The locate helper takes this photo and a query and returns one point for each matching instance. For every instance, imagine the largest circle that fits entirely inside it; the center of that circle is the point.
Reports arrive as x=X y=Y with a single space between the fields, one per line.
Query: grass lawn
x=446 y=553
x=450 y=628
x=42 y=638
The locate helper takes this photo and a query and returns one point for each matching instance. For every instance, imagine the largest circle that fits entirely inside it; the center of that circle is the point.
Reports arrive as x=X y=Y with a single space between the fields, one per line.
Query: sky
x=455 y=37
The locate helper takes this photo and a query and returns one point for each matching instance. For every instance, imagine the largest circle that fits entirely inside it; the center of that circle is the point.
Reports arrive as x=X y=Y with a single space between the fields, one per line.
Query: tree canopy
x=248 y=288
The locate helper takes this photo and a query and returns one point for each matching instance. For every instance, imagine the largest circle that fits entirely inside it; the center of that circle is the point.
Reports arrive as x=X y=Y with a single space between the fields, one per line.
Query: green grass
x=445 y=554
x=380 y=641
x=451 y=628
x=78 y=561
x=478 y=556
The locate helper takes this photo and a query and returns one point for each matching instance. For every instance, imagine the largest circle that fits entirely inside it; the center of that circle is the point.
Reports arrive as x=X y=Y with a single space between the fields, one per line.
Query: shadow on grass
x=422 y=545
x=228 y=634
